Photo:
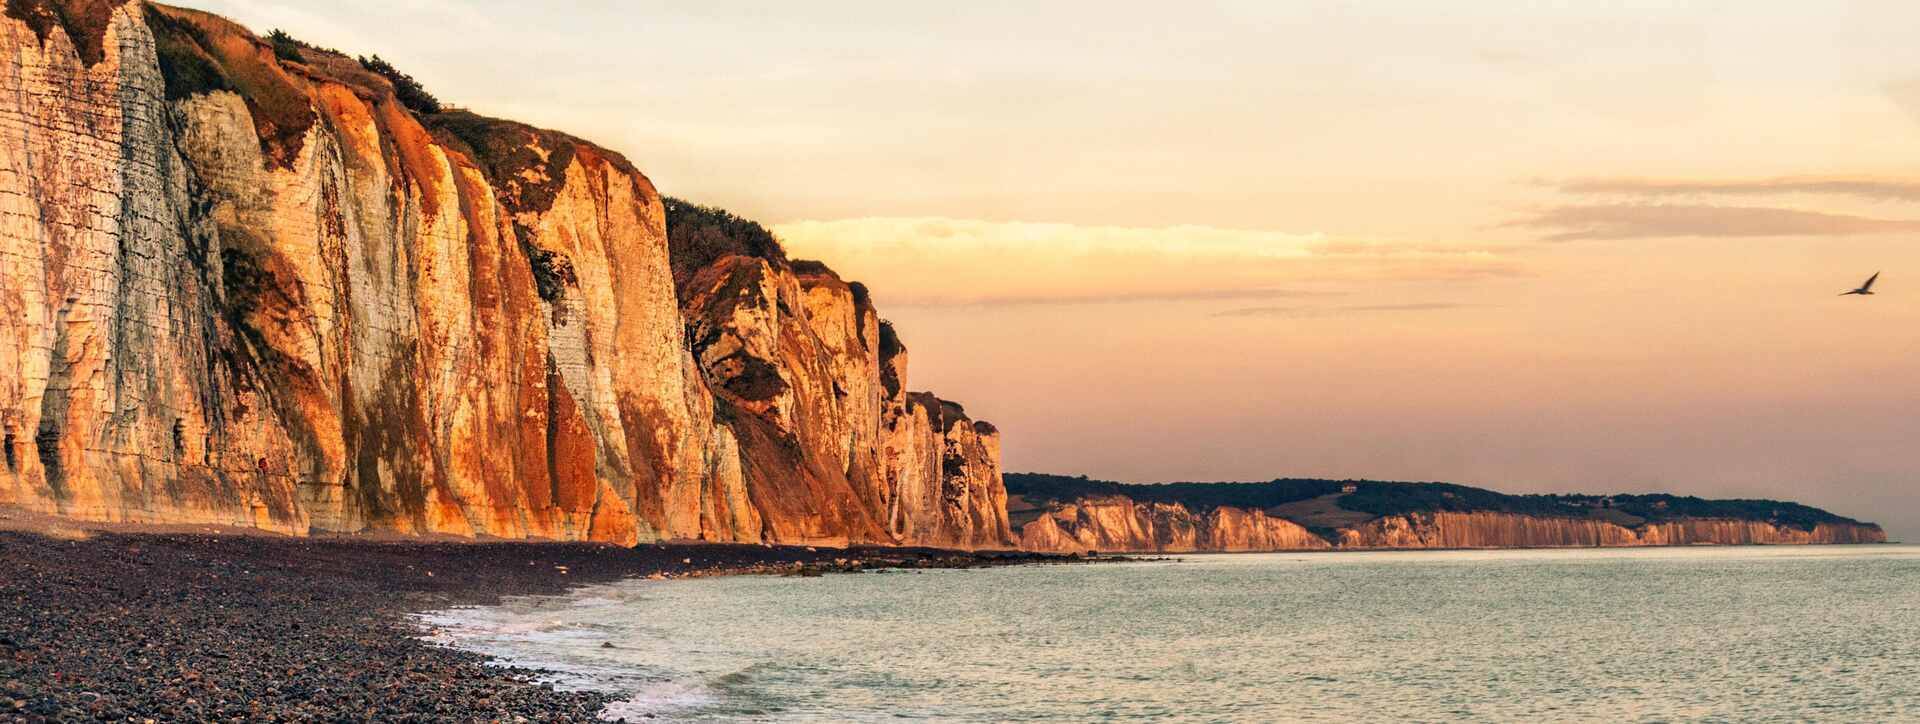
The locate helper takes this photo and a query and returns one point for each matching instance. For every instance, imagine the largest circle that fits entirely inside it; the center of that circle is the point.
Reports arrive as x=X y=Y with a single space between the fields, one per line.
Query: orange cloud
x=1869 y=187
x=944 y=261
x=1305 y=312
x=1644 y=221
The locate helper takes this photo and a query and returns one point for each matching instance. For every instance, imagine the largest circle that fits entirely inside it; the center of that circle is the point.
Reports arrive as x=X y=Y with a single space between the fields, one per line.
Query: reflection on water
x=1652 y=634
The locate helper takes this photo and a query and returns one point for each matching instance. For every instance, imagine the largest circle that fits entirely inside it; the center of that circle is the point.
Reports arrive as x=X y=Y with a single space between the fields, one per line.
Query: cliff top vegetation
x=1381 y=498
x=700 y=235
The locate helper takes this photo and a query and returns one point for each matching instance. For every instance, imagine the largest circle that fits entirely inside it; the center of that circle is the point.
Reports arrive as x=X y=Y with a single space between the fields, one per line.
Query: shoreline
x=197 y=623
x=1457 y=549
x=193 y=626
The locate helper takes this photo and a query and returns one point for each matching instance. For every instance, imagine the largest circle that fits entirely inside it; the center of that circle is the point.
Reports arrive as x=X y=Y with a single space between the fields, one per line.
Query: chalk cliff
x=257 y=283
x=1056 y=513
x=1118 y=524
x=1508 y=530
x=246 y=284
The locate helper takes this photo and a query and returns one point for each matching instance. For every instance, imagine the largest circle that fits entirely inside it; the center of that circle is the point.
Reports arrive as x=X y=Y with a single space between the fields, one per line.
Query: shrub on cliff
x=284 y=46
x=185 y=65
x=1197 y=497
x=411 y=94
x=700 y=235
x=1402 y=498
x=890 y=347
x=1658 y=506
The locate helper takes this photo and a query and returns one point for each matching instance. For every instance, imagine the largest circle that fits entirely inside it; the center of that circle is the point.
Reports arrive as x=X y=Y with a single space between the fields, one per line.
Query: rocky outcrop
x=1237 y=529
x=1118 y=524
x=807 y=380
x=247 y=285
x=1507 y=530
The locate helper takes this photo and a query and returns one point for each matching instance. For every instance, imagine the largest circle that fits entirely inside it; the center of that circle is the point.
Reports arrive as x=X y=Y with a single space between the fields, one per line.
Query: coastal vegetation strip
x=1322 y=504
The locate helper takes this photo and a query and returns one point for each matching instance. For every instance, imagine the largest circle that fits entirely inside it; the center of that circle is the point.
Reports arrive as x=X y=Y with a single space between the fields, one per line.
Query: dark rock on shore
x=124 y=627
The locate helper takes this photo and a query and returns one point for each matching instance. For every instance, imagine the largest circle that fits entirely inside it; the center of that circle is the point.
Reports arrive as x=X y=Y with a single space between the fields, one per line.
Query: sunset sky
x=1530 y=248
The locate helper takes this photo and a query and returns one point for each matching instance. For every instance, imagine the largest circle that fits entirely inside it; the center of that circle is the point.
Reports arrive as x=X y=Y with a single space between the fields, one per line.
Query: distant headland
x=1064 y=513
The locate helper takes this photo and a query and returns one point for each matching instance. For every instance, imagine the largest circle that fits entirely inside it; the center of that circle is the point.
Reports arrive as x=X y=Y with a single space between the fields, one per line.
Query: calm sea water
x=1823 y=633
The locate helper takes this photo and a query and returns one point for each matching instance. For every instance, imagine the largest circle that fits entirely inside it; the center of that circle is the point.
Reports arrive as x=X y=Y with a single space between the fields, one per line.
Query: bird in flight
x=1865 y=289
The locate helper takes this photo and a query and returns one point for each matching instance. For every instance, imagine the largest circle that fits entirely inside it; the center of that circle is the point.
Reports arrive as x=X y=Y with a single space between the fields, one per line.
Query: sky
x=1537 y=247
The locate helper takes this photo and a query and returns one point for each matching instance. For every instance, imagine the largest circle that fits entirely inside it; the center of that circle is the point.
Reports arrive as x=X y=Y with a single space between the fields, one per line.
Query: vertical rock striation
x=253 y=288
x=809 y=381
x=1508 y=530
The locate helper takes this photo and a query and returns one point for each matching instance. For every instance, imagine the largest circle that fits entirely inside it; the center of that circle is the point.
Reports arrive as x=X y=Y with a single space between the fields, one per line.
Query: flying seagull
x=1866 y=288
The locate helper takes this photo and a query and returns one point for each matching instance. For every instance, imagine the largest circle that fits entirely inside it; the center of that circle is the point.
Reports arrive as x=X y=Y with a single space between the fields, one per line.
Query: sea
x=1820 y=633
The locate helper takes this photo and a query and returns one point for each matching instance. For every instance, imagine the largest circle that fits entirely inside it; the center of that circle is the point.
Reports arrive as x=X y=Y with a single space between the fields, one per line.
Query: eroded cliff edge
x=246 y=284
x=1069 y=514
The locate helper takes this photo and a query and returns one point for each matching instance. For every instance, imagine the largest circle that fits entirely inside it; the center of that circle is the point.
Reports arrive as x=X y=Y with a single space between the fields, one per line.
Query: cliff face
x=1506 y=530
x=1116 y=524
x=243 y=288
x=807 y=382
x=245 y=284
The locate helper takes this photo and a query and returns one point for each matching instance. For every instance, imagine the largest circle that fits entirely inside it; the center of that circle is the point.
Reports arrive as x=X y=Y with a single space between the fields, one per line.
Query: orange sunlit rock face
x=1502 y=530
x=245 y=289
x=1118 y=524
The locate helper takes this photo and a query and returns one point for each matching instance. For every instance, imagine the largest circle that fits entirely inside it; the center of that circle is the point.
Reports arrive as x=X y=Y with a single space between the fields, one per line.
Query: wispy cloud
x=1876 y=188
x=1124 y=297
x=944 y=261
x=1308 y=312
x=1645 y=221
x=1905 y=93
